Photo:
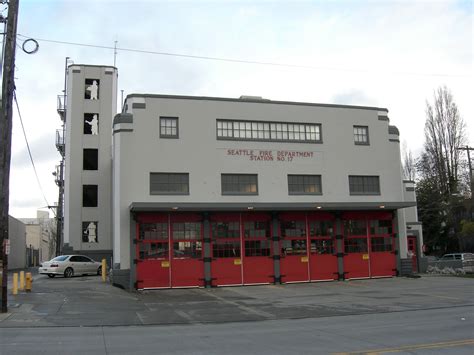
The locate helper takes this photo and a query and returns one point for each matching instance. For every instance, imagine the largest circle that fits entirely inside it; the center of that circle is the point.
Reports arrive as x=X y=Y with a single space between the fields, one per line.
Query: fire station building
x=187 y=191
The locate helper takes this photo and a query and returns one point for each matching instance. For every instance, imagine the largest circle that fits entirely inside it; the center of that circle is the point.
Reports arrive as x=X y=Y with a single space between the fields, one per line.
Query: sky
x=390 y=54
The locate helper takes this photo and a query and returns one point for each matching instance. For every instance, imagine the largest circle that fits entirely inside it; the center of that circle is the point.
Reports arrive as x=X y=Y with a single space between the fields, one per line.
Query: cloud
x=42 y=149
x=354 y=97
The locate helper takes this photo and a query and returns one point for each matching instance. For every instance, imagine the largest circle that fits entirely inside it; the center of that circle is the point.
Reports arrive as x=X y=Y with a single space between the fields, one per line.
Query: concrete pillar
x=340 y=246
x=276 y=249
x=207 y=256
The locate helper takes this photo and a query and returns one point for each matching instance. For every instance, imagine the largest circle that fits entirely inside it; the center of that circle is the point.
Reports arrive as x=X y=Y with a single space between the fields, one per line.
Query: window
x=364 y=185
x=268 y=131
x=153 y=231
x=89 y=195
x=381 y=244
x=355 y=245
x=187 y=230
x=89 y=232
x=239 y=184
x=225 y=230
x=361 y=135
x=355 y=227
x=304 y=185
x=169 y=183
x=378 y=227
x=169 y=127
x=90 y=159
x=91 y=89
x=91 y=123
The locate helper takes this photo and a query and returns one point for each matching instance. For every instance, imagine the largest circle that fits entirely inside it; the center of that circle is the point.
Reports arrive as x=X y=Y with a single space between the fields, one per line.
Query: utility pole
x=471 y=185
x=60 y=180
x=8 y=86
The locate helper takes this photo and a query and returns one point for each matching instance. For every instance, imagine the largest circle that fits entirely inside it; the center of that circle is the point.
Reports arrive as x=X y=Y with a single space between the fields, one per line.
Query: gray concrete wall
x=139 y=150
x=17 y=237
x=76 y=141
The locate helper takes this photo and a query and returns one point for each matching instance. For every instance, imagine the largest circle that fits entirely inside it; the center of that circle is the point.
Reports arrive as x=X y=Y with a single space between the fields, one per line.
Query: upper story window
x=90 y=159
x=304 y=185
x=91 y=123
x=169 y=127
x=239 y=184
x=91 y=87
x=364 y=185
x=268 y=131
x=169 y=184
x=89 y=196
x=361 y=135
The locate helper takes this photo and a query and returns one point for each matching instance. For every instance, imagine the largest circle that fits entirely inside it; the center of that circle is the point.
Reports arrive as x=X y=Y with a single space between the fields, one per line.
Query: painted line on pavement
x=440 y=345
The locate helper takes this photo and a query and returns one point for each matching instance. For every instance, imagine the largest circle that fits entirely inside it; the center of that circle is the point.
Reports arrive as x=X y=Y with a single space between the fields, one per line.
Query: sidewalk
x=87 y=301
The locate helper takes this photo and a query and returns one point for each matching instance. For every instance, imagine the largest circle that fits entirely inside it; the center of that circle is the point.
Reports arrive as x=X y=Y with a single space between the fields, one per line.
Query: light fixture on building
x=382 y=206
x=174 y=208
x=250 y=208
x=318 y=207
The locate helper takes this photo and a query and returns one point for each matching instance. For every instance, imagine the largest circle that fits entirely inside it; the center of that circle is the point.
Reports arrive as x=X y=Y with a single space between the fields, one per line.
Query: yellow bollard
x=22 y=281
x=15 y=284
x=104 y=269
x=29 y=282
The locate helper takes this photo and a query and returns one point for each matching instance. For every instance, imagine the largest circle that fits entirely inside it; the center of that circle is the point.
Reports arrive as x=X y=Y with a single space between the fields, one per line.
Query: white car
x=70 y=265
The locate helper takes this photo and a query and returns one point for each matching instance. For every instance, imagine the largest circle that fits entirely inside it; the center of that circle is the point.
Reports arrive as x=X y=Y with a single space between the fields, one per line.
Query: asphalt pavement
x=89 y=302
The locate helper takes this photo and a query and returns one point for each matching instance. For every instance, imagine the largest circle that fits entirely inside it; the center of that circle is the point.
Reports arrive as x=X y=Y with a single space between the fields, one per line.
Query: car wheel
x=51 y=275
x=69 y=272
x=99 y=271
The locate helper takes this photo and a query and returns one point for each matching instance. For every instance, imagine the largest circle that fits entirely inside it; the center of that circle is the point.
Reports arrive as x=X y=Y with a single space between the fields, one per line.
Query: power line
x=234 y=60
x=29 y=151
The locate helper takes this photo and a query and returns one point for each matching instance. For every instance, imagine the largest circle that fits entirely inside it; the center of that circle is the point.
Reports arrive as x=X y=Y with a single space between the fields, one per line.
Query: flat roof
x=252 y=100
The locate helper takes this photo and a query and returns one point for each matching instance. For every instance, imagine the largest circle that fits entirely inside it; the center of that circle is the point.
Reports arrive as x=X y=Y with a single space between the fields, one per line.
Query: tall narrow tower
x=91 y=105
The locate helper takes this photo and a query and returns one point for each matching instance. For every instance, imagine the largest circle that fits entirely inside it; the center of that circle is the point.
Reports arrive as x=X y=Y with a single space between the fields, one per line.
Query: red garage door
x=368 y=245
x=257 y=263
x=383 y=261
x=226 y=266
x=187 y=267
x=294 y=247
x=241 y=249
x=152 y=252
x=169 y=251
x=300 y=263
x=323 y=255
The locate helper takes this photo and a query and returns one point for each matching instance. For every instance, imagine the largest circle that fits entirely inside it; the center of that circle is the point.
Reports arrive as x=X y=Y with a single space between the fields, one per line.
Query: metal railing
x=60 y=144
x=62 y=106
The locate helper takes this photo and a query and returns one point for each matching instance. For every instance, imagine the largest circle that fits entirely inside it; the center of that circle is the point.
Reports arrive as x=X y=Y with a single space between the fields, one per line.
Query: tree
x=440 y=172
x=467 y=235
x=409 y=168
x=445 y=131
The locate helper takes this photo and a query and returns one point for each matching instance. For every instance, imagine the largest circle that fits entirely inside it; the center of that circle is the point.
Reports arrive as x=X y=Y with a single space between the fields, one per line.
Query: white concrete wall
x=199 y=153
x=76 y=141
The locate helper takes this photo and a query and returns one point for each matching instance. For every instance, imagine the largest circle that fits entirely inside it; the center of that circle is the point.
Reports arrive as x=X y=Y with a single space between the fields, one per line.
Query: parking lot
x=87 y=301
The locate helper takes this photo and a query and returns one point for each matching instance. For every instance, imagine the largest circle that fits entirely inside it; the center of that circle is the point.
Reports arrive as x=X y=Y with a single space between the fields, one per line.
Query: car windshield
x=60 y=258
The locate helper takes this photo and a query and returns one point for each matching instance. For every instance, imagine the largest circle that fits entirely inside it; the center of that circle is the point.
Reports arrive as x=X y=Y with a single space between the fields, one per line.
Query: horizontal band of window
x=169 y=136
x=168 y=193
x=269 y=140
x=305 y=193
x=361 y=143
x=239 y=193
x=365 y=193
